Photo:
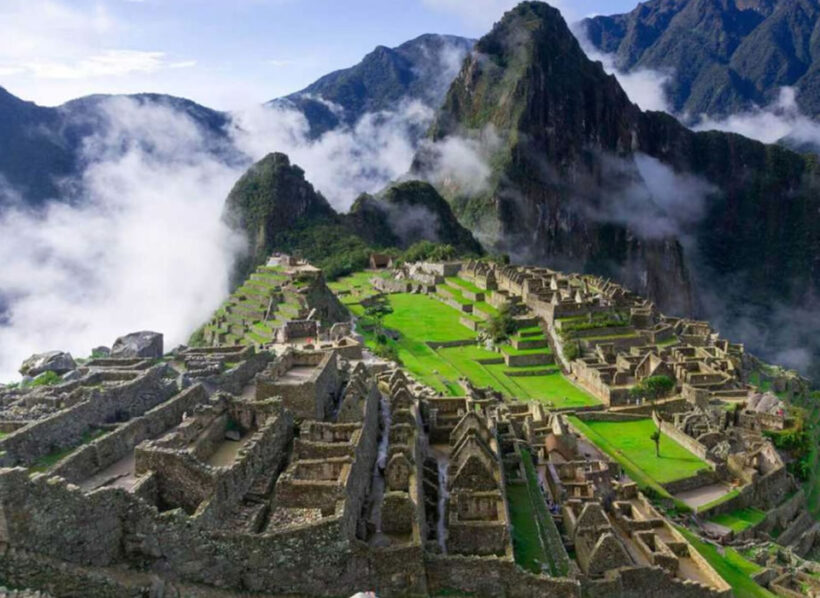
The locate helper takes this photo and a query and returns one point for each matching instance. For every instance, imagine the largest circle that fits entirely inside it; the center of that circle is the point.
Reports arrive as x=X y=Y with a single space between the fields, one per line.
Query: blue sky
x=226 y=54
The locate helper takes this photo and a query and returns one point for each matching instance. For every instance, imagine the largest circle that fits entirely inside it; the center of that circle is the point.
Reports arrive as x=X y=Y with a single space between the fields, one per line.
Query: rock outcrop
x=406 y=213
x=58 y=362
x=138 y=344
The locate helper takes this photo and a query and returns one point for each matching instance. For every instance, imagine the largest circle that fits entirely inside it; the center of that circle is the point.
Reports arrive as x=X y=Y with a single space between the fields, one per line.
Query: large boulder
x=58 y=362
x=138 y=344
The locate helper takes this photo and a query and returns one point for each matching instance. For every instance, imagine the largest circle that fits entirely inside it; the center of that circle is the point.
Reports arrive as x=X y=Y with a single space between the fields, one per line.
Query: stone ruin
x=308 y=468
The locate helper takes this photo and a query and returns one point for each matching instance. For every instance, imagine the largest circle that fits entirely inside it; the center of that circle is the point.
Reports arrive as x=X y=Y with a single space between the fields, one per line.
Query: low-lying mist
x=141 y=247
x=140 y=244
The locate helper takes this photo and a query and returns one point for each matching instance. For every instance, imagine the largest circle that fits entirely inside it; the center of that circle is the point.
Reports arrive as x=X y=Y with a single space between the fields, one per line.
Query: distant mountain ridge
x=41 y=148
x=420 y=69
x=723 y=56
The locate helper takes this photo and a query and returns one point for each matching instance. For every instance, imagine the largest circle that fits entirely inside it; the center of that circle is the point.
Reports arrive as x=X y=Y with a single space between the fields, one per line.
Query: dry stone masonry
x=282 y=458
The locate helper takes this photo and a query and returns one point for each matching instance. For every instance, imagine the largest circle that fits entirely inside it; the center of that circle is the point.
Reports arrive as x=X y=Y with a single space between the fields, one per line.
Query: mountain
x=420 y=69
x=42 y=149
x=406 y=213
x=276 y=209
x=724 y=56
x=268 y=200
x=705 y=223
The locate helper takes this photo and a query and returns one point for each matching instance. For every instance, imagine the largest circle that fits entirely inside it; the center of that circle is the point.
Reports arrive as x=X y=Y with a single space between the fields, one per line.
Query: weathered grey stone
x=58 y=362
x=72 y=375
x=183 y=381
x=101 y=351
x=138 y=344
x=233 y=435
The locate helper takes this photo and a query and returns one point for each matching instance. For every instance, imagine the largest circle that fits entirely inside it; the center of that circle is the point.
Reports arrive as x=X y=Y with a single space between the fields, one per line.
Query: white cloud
x=645 y=87
x=145 y=249
x=341 y=163
x=461 y=164
x=108 y=63
x=48 y=43
x=780 y=120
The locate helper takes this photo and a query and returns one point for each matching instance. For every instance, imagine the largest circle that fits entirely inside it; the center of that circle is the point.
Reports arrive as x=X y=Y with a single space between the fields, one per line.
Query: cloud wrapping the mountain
x=782 y=120
x=638 y=197
x=645 y=87
x=460 y=164
x=144 y=248
x=341 y=163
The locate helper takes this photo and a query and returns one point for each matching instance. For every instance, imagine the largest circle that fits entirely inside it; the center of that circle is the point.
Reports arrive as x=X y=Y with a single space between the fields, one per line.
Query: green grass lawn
x=424 y=318
x=354 y=288
x=465 y=284
x=740 y=519
x=420 y=319
x=718 y=501
x=529 y=553
x=632 y=441
x=731 y=566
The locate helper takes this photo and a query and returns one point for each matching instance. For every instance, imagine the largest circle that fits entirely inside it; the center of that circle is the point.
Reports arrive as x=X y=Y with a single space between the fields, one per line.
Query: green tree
x=502 y=325
x=653 y=388
x=656 y=438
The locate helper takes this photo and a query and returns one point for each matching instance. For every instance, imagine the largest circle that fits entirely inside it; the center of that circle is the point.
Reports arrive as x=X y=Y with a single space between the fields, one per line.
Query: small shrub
x=571 y=351
x=46 y=379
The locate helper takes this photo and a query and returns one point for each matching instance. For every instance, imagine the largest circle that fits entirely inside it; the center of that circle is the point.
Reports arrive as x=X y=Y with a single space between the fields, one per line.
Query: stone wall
x=641 y=582
x=238 y=377
x=66 y=428
x=498 y=577
x=114 y=446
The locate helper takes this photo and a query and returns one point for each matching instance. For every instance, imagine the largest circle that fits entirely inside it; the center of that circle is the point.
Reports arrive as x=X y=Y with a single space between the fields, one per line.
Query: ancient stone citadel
x=283 y=458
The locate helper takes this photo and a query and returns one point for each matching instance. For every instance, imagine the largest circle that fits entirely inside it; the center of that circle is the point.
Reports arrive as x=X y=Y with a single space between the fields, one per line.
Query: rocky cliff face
x=725 y=55
x=584 y=179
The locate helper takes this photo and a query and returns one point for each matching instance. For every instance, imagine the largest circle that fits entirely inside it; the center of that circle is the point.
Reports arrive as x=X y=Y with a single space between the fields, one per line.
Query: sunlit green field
x=631 y=444
x=419 y=320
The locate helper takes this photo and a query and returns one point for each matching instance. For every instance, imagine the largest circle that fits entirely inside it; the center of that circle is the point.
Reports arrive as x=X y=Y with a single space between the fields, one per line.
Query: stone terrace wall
x=358 y=483
x=647 y=581
x=237 y=378
x=493 y=576
x=66 y=428
x=266 y=451
x=112 y=447
x=109 y=527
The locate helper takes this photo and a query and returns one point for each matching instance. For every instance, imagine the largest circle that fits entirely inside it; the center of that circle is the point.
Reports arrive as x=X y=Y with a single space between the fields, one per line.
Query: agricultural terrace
x=630 y=443
x=731 y=566
x=417 y=321
x=739 y=519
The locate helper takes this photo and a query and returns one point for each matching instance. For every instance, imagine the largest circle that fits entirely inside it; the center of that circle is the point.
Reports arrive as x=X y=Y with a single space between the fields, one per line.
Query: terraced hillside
x=438 y=339
x=272 y=296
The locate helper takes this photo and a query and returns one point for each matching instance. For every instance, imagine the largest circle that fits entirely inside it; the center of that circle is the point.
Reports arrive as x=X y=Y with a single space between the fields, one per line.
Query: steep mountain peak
x=530 y=74
x=584 y=180
x=270 y=198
